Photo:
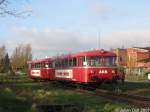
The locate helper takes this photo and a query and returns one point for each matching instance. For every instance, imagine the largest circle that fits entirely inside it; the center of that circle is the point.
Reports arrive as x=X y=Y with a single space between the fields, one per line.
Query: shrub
x=146 y=73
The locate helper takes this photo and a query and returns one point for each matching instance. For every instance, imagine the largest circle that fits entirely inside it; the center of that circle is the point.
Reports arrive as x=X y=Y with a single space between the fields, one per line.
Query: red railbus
x=93 y=66
x=41 y=69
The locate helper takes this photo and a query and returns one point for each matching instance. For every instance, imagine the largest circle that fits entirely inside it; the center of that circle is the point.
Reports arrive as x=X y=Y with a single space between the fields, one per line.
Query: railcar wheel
x=35 y=80
x=114 y=80
x=122 y=81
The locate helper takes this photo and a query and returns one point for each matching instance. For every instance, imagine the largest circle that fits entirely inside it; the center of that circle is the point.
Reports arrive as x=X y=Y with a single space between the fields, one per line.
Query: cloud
x=100 y=9
x=53 y=41
x=128 y=39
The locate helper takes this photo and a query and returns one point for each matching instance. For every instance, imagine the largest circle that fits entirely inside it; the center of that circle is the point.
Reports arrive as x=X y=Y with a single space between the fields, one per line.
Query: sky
x=65 y=26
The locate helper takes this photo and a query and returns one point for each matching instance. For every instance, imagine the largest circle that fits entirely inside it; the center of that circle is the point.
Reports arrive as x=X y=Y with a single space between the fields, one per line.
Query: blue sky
x=60 y=26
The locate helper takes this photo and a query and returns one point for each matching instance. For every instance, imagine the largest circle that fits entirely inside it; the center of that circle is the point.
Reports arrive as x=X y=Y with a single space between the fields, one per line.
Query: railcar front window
x=101 y=61
x=46 y=65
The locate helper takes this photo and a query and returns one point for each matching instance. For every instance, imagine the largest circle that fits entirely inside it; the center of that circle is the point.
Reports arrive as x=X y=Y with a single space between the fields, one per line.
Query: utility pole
x=98 y=43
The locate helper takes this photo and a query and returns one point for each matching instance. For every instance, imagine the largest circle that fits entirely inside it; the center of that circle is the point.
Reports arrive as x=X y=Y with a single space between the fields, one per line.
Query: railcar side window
x=65 y=62
x=55 y=64
x=50 y=64
x=106 y=61
x=74 y=61
x=40 y=65
x=32 y=66
x=81 y=61
x=36 y=65
x=59 y=63
x=70 y=62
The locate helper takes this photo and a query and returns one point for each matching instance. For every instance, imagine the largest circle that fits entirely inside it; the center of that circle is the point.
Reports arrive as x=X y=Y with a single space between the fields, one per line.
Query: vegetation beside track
x=20 y=94
x=25 y=97
x=136 y=77
x=5 y=78
x=135 y=88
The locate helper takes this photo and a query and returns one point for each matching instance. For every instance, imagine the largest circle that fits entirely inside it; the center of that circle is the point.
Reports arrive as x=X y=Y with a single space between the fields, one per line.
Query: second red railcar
x=41 y=69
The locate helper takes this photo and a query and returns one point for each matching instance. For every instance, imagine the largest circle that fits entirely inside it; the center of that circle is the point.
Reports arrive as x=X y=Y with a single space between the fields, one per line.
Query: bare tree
x=2 y=51
x=20 y=56
x=6 y=65
x=10 y=7
x=2 y=57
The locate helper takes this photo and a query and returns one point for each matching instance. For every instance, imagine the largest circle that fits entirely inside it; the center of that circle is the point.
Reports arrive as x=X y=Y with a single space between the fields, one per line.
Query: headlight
x=91 y=71
x=113 y=71
x=103 y=72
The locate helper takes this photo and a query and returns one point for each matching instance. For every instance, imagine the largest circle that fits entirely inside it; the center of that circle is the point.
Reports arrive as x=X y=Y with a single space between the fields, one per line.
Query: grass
x=136 y=77
x=5 y=78
x=17 y=96
x=25 y=97
x=144 y=93
x=9 y=101
x=137 y=88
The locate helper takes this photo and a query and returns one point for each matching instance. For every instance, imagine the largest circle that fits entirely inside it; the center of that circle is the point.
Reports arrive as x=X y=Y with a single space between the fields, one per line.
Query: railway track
x=134 y=100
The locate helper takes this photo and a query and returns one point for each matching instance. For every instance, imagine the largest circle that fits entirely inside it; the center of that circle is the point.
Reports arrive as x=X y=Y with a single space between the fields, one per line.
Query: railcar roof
x=40 y=60
x=88 y=53
x=94 y=53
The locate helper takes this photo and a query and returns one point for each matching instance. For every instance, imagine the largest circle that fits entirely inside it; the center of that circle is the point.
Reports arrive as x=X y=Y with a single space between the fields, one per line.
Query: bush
x=146 y=73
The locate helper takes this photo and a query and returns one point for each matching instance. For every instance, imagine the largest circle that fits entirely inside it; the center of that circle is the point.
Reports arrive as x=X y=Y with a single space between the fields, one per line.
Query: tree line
x=22 y=53
x=17 y=61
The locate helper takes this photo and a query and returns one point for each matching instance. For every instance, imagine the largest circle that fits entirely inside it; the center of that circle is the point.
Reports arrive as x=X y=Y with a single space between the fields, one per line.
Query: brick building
x=121 y=57
x=135 y=55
